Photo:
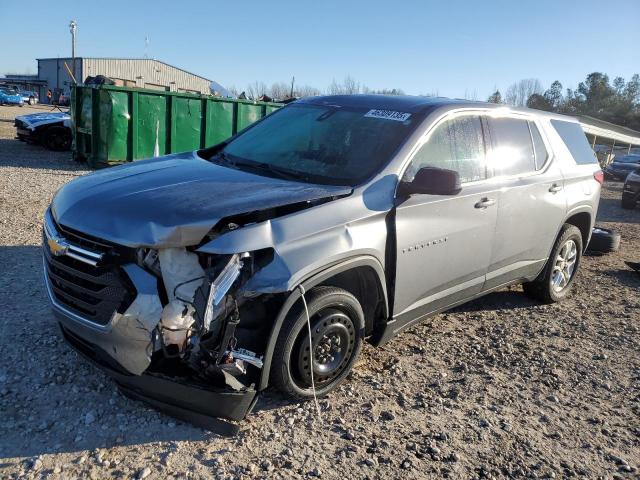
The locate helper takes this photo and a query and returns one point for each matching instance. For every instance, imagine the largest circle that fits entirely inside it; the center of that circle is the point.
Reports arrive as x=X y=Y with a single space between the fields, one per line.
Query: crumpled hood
x=171 y=201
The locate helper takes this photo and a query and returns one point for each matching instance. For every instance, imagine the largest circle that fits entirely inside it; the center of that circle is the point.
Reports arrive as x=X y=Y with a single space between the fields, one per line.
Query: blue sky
x=450 y=47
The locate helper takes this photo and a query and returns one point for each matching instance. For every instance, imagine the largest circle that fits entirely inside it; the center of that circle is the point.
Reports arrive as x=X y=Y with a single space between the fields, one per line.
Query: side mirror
x=432 y=181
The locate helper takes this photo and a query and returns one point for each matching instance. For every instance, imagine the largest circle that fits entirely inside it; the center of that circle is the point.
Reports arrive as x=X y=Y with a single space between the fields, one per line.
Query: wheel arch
x=583 y=220
x=354 y=274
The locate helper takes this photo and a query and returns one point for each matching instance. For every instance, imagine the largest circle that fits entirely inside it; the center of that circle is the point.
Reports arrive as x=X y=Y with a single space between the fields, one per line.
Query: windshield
x=321 y=144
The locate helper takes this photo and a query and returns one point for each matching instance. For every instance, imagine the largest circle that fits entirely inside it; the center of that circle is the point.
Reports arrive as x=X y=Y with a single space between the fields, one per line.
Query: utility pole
x=72 y=28
x=293 y=79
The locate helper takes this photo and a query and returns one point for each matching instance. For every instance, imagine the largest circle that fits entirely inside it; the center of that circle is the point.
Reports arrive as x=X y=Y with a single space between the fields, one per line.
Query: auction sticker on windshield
x=388 y=115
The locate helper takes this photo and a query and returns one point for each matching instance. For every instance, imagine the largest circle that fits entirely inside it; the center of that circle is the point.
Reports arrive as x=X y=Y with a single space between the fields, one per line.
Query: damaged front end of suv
x=169 y=307
x=181 y=276
x=163 y=322
x=180 y=328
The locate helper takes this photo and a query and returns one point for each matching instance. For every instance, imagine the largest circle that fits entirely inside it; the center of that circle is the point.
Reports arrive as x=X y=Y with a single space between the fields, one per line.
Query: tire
x=550 y=286
x=32 y=101
x=334 y=313
x=57 y=139
x=628 y=203
x=604 y=241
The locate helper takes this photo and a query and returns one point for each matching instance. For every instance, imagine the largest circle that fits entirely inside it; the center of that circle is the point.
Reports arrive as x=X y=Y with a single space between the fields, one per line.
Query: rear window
x=576 y=141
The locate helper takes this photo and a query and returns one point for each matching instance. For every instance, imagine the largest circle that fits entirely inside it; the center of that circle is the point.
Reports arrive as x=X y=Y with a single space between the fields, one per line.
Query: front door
x=444 y=242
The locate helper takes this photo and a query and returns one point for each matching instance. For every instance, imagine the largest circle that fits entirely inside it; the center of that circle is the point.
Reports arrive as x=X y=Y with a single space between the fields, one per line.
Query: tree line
x=285 y=90
x=616 y=102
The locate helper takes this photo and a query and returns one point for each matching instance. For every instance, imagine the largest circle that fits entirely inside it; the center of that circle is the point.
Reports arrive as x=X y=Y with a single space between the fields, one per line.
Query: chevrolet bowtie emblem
x=57 y=246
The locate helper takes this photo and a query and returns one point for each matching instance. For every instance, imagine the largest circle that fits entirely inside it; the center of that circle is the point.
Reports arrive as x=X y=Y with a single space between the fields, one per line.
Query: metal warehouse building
x=129 y=72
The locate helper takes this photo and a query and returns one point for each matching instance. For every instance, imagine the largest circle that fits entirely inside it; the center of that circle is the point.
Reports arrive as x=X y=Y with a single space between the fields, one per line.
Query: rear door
x=532 y=203
x=444 y=242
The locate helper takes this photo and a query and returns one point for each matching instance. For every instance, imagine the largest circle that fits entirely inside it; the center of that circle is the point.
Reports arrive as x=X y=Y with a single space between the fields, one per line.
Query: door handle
x=485 y=202
x=555 y=188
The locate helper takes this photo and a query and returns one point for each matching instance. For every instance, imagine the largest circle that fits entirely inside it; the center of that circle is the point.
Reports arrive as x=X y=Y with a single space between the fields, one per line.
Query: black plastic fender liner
x=308 y=283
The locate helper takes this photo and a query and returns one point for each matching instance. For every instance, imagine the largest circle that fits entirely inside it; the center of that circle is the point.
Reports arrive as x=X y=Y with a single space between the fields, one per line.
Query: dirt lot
x=502 y=387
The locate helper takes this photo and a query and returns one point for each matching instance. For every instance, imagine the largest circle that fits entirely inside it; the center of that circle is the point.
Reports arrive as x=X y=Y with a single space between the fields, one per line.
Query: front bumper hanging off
x=200 y=406
x=122 y=347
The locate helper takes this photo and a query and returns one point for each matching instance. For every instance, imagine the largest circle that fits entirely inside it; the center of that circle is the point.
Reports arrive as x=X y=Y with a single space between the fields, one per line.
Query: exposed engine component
x=149 y=259
x=182 y=276
x=176 y=322
x=247 y=357
x=198 y=323
x=235 y=361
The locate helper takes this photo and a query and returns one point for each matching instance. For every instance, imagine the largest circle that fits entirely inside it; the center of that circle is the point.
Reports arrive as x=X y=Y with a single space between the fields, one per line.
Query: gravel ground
x=501 y=387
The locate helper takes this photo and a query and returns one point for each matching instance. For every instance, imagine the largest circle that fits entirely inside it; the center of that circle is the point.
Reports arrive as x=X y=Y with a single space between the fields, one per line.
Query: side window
x=512 y=152
x=576 y=141
x=538 y=146
x=456 y=144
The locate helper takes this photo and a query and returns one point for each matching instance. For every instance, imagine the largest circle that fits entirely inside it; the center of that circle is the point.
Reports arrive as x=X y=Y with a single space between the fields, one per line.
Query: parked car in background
x=50 y=129
x=622 y=166
x=197 y=279
x=29 y=96
x=10 y=97
x=631 y=190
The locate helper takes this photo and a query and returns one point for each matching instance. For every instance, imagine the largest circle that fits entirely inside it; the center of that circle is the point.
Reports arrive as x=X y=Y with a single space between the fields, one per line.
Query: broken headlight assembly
x=199 y=326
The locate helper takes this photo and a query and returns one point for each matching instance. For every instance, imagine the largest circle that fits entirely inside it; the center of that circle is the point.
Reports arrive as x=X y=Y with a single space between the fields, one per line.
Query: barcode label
x=388 y=115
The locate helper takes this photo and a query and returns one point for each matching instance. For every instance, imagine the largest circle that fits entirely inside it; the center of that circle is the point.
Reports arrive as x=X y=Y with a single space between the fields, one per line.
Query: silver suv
x=198 y=279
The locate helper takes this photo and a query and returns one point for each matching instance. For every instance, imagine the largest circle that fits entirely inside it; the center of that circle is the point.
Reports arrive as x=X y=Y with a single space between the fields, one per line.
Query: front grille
x=92 y=292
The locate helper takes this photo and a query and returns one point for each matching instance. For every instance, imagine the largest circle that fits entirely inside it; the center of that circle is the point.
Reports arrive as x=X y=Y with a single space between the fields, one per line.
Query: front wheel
x=556 y=280
x=337 y=330
x=57 y=139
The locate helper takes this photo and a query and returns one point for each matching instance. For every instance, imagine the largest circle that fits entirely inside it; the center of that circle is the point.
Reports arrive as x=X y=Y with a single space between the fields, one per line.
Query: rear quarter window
x=576 y=141
x=538 y=146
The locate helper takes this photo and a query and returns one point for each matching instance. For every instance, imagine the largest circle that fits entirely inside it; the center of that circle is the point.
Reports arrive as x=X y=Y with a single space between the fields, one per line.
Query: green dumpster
x=113 y=125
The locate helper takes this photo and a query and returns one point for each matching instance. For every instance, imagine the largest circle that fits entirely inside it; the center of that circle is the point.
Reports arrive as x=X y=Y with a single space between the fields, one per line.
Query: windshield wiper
x=221 y=157
x=278 y=171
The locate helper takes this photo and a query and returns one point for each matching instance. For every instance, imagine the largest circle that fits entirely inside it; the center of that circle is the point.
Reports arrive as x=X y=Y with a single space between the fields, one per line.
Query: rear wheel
x=57 y=139
x=337 y=327
x=556 y=280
